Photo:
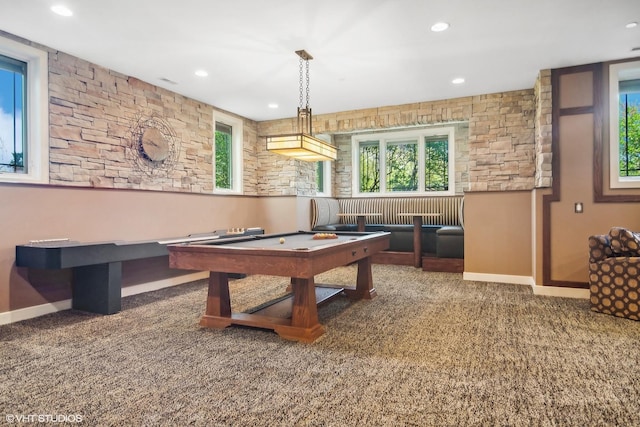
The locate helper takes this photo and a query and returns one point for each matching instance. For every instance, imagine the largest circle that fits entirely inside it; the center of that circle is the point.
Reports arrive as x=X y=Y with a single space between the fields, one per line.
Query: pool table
x=296 y=255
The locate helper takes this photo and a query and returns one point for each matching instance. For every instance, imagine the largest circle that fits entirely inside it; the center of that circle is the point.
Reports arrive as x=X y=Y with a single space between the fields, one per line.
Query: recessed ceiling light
x=457 y=81
x=273 y=105
x=631 y=25
x=439 y=26
x=61 y=10
x=201 y=73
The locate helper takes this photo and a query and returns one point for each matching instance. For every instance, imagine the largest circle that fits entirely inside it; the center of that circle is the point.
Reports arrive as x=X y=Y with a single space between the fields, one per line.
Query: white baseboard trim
x=164 y=283
x=52 y=307
x=561 y=291
x=550 y=291
x=499 y=278
x=34 y=311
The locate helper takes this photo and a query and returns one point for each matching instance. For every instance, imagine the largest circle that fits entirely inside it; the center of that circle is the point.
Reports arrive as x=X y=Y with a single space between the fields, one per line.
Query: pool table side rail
x=277 y=262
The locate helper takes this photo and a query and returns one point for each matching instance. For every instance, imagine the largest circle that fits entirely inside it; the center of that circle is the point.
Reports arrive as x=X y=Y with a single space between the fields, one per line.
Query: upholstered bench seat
x=450 y=242
x=336 y=227
x=402 y=237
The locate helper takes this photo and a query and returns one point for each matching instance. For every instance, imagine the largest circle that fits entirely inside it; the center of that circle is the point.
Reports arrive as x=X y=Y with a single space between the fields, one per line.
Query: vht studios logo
x=43 y=418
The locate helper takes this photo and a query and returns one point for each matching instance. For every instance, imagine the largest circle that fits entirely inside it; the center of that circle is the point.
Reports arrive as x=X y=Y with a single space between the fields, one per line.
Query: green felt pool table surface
x=293 y=241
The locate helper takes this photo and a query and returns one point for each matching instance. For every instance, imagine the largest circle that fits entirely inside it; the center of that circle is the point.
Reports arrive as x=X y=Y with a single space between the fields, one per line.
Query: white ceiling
x=367 y=53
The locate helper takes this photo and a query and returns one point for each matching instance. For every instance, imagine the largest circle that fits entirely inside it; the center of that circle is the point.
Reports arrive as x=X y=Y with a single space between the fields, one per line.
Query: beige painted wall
x=570 y=231
x=284 y=214
x=498 y=233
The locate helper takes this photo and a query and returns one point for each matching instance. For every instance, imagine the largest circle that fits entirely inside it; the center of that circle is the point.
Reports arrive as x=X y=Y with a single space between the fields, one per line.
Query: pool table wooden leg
x=364 y=282
x=304 y=313
x=218 y=311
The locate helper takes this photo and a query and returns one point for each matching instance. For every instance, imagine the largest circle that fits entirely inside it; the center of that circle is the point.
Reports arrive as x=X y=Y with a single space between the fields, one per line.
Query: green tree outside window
x=436 y=165
x=629 y=127
x=402 y=166
x=224 y=160
x=370 y=167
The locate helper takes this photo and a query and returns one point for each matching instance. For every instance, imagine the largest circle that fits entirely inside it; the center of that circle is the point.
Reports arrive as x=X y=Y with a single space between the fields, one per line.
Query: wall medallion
x=153 y=148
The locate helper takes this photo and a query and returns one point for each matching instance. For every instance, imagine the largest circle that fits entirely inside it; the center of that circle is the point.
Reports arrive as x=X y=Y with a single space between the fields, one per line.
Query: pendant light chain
x=307 y=64
x=304 y=95
x=301 y=85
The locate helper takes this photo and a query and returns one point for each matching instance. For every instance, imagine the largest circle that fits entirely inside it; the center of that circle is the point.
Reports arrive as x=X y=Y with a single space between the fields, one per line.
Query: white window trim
x=37 y=150
x=618 y=72
x=417 y=134
x=237 y=143
x=326 y=180
x=326 y=165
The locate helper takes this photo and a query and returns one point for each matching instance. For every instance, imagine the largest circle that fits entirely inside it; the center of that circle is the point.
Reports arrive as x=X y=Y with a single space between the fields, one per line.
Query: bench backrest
x=324 y=210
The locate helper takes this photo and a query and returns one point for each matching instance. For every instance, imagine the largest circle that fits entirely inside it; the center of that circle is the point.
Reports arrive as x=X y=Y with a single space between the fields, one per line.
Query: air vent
x=166 y=80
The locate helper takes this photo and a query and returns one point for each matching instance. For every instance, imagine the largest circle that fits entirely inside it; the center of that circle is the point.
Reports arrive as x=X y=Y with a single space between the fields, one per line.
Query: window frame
x=36 y=150
x=237 y=142
x=326 y=170
x=419 y=136
x=619 y=72
x=326 y=182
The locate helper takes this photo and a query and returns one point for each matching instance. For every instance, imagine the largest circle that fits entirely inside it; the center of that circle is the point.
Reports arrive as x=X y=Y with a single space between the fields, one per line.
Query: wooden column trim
x=548 y=199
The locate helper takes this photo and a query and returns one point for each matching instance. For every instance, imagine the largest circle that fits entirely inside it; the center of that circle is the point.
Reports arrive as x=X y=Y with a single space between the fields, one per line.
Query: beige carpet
x=431 y=350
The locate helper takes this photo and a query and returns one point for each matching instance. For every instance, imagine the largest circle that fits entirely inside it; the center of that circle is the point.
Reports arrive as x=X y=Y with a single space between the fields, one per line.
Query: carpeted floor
x=431 y=350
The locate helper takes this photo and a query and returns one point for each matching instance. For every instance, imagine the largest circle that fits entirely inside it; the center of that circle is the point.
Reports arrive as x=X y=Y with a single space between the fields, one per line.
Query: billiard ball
x=281 y=240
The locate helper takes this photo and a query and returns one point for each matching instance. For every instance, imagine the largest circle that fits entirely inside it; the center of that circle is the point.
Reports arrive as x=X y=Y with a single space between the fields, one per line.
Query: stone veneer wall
x=92 y=112
x=501 y=142
x=542 y=92
x=495 y=153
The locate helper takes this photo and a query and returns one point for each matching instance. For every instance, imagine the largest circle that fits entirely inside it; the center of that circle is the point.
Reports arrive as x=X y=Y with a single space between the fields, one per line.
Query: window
x=24 y=124
x=624 y=124
x=224 y=157
x=407 y=162
x=227 y=151
x=323 y=178
x=323 y=172
x=13 y=75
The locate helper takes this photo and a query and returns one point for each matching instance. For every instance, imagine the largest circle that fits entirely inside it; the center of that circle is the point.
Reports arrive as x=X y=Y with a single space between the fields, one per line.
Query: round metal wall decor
x=154 y=148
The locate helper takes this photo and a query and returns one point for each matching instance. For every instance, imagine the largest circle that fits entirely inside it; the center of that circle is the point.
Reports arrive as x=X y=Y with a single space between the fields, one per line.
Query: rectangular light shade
x=302 y=147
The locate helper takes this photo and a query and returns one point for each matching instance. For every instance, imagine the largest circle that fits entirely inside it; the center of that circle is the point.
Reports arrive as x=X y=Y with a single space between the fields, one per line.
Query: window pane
x=224 y=160
x=436 y=164
x=320 y=177
x=369 y=167
x=629 y=127
x=12 y=115
x=402 y=166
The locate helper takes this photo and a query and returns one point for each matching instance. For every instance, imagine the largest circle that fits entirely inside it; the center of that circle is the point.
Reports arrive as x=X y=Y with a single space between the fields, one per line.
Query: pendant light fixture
x=302 y=145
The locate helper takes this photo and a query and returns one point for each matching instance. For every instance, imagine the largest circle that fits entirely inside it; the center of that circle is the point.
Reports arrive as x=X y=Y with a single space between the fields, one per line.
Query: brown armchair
x=614 y=273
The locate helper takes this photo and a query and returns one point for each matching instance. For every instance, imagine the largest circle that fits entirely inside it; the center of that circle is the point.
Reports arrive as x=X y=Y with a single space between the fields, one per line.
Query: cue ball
x=281 y=240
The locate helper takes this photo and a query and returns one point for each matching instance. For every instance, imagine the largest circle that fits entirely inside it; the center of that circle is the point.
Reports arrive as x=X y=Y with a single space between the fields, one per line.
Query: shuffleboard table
x=296 y=255
x=97 y=266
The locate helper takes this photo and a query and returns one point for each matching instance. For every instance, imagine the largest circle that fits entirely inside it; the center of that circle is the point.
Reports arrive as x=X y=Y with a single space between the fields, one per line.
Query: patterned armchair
x=614 y=273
